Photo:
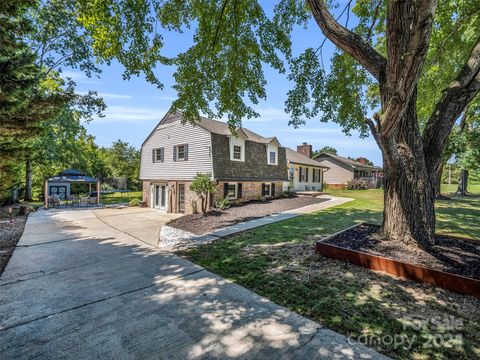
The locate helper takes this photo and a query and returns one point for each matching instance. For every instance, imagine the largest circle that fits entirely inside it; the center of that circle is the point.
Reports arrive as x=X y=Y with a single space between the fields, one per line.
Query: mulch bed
x=10 y=233
x=216 y=219
x=449 y=255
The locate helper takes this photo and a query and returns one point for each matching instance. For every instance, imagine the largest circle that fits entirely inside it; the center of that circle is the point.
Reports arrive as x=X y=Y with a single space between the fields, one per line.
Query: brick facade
x=251 y=190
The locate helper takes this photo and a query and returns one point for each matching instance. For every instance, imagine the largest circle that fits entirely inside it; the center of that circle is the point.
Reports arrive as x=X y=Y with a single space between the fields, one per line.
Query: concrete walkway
x=77 y=288
x=191 y=240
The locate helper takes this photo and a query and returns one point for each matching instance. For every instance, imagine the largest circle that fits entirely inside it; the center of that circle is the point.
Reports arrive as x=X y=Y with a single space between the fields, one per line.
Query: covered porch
x=58 y=189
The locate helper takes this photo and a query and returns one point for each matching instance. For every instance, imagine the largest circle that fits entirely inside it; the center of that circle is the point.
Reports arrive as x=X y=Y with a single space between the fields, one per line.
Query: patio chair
x=83 y=200
x=56 y=200
x=92 y=200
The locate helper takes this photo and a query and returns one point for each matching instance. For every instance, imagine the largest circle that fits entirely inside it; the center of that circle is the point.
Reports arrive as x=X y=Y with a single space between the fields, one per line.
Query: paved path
x=142 y=223
x=77 y=288
x=191 y=240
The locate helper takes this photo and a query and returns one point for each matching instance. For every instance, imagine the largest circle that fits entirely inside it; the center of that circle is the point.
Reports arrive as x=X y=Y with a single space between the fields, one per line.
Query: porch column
x=98 y=192
x=45 y=194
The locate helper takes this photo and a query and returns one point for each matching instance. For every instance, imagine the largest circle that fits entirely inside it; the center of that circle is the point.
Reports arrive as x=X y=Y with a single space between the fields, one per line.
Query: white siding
x=337 y=174
x=167 y=136
x=300 y=186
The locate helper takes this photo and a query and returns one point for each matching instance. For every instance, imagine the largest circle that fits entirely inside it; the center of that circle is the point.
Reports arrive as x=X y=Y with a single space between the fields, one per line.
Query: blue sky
x=134 y=107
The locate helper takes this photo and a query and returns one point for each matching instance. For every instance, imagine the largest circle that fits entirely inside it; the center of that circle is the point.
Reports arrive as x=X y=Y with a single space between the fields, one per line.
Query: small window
x=237 y=152
x=267 y=190
x=181 y=152
x=159 y=155
x=232 y=191
x=273 y=157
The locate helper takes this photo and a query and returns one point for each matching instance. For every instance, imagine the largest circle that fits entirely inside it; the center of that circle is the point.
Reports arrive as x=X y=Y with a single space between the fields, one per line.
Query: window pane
x=267 y=189
x=272 y=157
x=181 y=151
x=231 y=190
x=159 y=154
x=237 y=152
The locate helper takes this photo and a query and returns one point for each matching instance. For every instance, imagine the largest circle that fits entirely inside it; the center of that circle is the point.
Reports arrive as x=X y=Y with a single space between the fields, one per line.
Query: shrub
x=134 y=202
x=357 y=184
x=223 y=204
x=203 y=186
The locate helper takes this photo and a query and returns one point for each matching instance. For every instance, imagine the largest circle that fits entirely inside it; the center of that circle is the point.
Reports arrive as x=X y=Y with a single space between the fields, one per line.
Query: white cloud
x=110 y=96
x=114 y=96
x=165 y=98
x=78 y=77
x=128 y=114
x=269 y=114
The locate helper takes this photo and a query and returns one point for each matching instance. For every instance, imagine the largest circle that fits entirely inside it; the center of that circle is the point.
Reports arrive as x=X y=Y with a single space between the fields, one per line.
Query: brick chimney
x=362 y=160
x=305 y=149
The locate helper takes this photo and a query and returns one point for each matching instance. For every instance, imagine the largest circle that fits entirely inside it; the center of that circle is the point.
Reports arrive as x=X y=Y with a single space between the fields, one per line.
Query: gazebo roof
x=72 y=175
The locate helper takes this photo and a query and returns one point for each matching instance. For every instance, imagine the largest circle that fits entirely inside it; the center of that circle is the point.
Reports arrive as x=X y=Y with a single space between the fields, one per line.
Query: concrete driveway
x=142 y=223
x=76 y=288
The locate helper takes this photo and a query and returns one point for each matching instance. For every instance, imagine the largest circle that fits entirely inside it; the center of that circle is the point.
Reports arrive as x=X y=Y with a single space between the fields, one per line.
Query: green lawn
x=473 y=188
x=120 y=197
x=278 y=261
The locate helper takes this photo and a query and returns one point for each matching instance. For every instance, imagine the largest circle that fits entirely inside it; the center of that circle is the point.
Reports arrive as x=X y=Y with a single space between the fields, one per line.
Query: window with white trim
x=272 y=154
x=237 y=152
x=273 y=157
x=237 y=149
x=232 y=191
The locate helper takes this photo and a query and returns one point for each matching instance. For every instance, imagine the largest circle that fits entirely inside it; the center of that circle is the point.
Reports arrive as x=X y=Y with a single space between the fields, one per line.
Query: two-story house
x=245 y=165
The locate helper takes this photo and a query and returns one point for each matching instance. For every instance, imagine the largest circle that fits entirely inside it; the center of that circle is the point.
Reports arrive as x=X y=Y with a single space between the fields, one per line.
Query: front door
x=160 y=197
x=181 y=198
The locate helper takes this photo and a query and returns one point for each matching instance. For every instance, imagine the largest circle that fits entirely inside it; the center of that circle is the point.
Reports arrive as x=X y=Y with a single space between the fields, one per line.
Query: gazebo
x=60 y=184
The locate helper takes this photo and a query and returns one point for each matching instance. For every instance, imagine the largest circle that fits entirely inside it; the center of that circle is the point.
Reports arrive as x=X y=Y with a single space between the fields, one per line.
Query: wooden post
x=89 y=189
x=98 y=192
x=45 y=194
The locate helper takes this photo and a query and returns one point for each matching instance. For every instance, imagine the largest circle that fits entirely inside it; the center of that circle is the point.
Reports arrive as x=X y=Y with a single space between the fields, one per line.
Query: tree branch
x=409 y=26
x=347 y=40
x=454 y=101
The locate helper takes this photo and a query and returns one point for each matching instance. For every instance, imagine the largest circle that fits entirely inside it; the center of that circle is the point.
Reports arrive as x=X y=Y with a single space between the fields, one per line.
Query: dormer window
x=272 y=154
x=237 y=148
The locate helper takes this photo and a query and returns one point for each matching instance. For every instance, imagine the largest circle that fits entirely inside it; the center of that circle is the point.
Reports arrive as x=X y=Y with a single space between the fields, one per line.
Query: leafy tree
x=25 y=99
x=326 y=149
x=203 y=186
x=414 y=66
x=123 y=160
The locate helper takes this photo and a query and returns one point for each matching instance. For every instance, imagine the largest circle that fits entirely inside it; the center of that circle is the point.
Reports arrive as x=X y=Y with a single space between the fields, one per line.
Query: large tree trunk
x=28 y=180
x=462 y=183
x=409 y=212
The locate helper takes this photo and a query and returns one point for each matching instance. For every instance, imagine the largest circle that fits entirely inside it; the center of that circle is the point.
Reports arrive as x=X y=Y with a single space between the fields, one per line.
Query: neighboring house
x=342 y=170
x=304 y=173
x=245 y=166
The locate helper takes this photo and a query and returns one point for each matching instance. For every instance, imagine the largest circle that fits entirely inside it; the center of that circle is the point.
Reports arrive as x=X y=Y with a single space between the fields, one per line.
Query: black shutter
x=225 y=190
x=239 y=190
x=273 y=189
x=174 y=153
x=153 y=155
x=263 y=189
x=186 y=151
x=306 y=174
x=300 y=174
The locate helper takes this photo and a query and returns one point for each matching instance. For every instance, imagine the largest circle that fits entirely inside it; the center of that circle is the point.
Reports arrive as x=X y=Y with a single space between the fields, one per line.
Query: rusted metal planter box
x=456 y=283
